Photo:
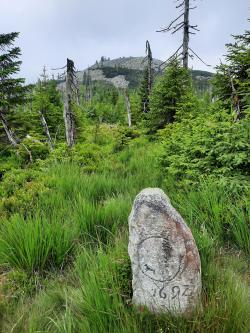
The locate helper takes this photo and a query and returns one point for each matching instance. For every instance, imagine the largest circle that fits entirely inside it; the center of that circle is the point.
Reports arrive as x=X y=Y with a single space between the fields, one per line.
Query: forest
x=72 y=161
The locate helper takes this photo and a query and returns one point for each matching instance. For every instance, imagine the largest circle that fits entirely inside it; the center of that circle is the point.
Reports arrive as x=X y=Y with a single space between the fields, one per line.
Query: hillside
x=126 y=72
x=136 y=63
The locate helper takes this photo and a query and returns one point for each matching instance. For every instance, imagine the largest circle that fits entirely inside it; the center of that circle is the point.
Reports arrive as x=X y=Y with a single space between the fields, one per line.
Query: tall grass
x=96 y=299
x=81 y=226
x=213 y=210
x=35 y=244
x=239 y=225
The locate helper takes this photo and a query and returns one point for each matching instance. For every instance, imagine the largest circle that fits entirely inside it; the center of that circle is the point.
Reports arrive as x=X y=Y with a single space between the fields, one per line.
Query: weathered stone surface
x=164 y=257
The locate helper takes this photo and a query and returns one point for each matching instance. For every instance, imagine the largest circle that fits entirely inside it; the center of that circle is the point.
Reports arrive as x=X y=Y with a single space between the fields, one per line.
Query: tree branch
x=170 y=25
x=56 y=69
x=180 y=27
x=198 y=57
x=194 y=27
x=175 y=53
x=180 y=5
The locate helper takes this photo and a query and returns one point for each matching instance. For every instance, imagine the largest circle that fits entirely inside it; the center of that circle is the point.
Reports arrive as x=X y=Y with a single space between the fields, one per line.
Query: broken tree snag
x=88 y=85
x=149 y=66
x=46 y=129
x=68 y=105
x=128 y=106
x=42 y=117
x=147 y=81
x=10 y=135
x=186 y=34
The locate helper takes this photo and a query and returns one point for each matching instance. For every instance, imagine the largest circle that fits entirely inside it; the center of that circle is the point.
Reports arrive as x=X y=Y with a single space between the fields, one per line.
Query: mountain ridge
x=127 y=72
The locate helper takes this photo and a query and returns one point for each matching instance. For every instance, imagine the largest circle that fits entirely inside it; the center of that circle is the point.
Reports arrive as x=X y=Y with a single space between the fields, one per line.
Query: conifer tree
x=167 y=94
x=232 y=80
x=12 y=90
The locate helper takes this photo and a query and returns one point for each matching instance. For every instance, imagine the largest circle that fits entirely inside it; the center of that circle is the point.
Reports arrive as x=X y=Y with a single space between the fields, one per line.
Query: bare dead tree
x=44 y=75
x=186 y=31
x=42 y=84
x=149 y=66
x=182 y=22
x=68 y=104
x=128 y=106
x=147 y=82
x=46 y=129
x=88 y=85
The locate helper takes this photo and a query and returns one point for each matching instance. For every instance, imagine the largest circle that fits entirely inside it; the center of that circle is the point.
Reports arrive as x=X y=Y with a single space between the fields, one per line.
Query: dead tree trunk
x=68 y=111
x=11 y=137
x=128 y=106
x=235 y=99
x=42 y=85
x=147 y=79
x=88 y=85
x=28 y=151
x=46 y=130
x=149 y=65
x=186 y=34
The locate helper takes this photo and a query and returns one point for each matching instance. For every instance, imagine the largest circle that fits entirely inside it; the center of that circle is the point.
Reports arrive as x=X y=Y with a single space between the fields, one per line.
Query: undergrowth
x=64 y=258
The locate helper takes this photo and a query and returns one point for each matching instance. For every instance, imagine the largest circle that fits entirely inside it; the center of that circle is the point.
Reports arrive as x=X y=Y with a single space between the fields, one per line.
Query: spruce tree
x=167 y=94
x=232 y=80
x=12 y=90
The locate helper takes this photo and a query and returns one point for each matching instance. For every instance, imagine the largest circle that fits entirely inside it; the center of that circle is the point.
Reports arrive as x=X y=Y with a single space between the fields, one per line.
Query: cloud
x=84 y=30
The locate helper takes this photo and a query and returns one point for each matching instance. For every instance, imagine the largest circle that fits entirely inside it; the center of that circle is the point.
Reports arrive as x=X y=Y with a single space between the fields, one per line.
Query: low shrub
x=207 y=143
x=32 y=147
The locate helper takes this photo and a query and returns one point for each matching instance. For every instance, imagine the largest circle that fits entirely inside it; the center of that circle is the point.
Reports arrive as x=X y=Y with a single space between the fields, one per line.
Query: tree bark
x=68 y=112
x=128 y=108
x=186 y=34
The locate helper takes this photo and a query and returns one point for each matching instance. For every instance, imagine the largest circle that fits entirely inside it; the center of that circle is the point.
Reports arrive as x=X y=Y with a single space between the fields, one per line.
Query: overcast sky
x=84 y=30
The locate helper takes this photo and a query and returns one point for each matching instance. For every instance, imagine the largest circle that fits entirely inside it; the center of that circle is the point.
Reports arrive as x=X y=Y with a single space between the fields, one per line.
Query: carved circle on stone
x=164 y=257
x=157 y=260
